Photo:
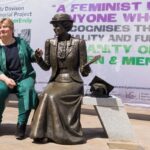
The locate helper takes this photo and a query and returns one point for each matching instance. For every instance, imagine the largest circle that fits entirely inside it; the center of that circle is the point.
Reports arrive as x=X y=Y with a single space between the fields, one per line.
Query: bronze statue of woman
x=57 y=117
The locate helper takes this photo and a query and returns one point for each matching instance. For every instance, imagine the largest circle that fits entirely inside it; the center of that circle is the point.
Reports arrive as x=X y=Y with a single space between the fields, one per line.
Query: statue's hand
x=38 y=53
x=85 y=70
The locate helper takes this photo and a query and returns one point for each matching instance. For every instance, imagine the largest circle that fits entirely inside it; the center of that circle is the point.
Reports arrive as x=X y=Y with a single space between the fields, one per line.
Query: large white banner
x=118 y=30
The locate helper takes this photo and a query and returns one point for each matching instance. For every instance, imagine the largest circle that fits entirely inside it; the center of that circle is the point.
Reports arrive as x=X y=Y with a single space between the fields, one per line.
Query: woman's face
x=6 y=30
x=59 y=29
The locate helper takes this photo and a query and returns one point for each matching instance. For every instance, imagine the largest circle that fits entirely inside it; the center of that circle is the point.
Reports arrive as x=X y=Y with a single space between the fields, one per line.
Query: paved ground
x=96 y=138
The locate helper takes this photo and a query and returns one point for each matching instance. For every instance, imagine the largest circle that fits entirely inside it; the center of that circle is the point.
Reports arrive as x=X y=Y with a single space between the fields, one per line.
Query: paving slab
x=93 y=131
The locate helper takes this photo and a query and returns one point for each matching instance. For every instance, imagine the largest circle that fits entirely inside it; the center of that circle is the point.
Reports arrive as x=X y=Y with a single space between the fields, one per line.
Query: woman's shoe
x=20 y=134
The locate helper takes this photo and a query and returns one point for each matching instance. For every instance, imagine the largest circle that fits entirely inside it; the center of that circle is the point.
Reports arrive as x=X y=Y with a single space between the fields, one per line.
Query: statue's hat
x=61 y=17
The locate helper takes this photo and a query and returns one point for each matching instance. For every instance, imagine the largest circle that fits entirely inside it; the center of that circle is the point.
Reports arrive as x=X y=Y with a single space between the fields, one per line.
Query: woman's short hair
x=8 y=21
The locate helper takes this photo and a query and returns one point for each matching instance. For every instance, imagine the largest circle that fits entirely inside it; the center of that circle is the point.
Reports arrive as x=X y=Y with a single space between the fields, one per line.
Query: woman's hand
x=85 y=70
x=10 y=83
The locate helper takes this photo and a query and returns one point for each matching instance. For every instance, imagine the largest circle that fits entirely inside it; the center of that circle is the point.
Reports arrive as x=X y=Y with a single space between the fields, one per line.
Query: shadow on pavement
x=7 y=129
x=145 y=117
x=14 y=105
x=10 y=129
x=134 y=115
x=91 y=133
x=88 y=111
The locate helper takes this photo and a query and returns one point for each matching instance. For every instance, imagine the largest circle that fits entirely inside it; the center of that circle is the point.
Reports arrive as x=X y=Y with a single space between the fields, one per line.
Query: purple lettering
x=129 y=17
x=136 y=17
x=93 y=18
x=74 y=7
x=148 y=5
x=126 y=6
x=84 y=7
x=136 y=5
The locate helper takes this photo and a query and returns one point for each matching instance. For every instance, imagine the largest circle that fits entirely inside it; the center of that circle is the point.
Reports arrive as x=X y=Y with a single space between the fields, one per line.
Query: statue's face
x=59 y=29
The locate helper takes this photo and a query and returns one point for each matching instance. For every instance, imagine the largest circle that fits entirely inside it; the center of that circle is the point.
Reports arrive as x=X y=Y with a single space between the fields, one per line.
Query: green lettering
x=100 y=61
x=143 y=49
x=140 y=61
x=128 y=61
x=104 y=48
x=116 y=47
x=127 y=48
x=91 y=48
x=113 y=60
x=136 y=61
x=147 y=61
